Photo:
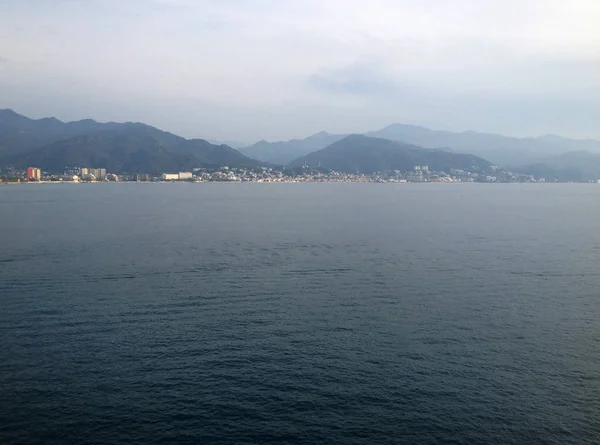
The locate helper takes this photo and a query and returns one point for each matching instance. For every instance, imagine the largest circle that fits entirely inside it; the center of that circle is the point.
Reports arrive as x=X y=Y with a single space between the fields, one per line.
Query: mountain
x=284 y=152
x=572 y=166
x=233 y=144
x=359 y=153
x=119 y=147
x=501 y=150
x=19 y=133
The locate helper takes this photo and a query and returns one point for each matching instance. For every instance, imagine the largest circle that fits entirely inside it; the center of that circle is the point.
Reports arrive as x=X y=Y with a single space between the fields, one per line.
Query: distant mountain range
x=233 y=144
x=359 y=153
x=19 y=134
x=119 y=147
x=500 y=150
x=134 y=147
x=572 y=166
x=284 y=152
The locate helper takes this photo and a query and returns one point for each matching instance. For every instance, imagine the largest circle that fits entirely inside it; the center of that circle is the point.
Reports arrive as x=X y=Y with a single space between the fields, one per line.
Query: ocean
x=300 y=313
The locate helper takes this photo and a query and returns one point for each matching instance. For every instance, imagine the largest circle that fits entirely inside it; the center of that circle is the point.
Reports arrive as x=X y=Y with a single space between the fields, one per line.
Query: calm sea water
x=300 y=313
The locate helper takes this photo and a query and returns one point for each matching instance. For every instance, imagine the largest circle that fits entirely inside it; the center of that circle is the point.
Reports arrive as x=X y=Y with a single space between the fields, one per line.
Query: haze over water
x=299 y=313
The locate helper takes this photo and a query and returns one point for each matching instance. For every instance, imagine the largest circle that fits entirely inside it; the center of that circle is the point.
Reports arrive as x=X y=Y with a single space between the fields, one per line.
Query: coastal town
x=419 y=174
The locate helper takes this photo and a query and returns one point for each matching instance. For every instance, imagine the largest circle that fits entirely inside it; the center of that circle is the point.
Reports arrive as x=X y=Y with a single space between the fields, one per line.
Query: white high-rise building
x=98 y=173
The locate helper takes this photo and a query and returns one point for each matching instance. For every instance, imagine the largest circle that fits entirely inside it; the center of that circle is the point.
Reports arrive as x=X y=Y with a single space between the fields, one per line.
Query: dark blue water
x=300 y=313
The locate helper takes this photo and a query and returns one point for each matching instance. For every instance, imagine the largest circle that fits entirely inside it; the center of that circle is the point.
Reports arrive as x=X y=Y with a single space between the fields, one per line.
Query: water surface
x=300 y=313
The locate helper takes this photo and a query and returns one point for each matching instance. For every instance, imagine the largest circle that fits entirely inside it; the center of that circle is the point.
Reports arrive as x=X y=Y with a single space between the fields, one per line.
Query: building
x=185 y=175
x=34 y=174
x=98 y=173
x=142 y=177
x=170 y=177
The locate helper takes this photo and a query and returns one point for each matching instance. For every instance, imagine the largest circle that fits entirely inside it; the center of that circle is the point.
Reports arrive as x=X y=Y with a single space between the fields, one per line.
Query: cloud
x=360 y=78
x=253 y=69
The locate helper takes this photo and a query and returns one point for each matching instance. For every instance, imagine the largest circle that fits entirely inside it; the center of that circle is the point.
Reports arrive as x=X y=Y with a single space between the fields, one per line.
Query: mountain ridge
x=581 y=165
x=499 y=149
x=42 y=142
x=283 y=152
x=131 y=147
x=367 y=155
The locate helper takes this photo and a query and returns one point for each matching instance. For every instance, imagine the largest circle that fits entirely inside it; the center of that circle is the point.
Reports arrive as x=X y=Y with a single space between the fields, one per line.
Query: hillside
x=358 y=153
x=19 y=133
x=284 y=152
x=126 y=147
x=572 y=166
x=500 y=150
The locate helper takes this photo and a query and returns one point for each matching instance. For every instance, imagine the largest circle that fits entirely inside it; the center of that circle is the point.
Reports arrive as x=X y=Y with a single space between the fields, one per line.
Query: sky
x=245 y=70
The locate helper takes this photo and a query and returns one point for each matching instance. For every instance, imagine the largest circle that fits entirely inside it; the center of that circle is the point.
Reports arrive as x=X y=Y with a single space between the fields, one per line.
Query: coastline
x=282 y=182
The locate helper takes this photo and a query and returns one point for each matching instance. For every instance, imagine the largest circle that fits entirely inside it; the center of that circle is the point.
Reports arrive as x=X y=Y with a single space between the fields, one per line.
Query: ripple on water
x=256 y=319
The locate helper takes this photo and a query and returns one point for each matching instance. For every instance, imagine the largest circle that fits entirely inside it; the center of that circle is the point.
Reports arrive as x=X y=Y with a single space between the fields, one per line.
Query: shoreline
x=284 y=182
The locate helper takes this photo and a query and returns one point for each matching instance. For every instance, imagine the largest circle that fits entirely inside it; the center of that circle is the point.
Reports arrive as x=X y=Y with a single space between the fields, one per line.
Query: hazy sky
x=275 y=69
